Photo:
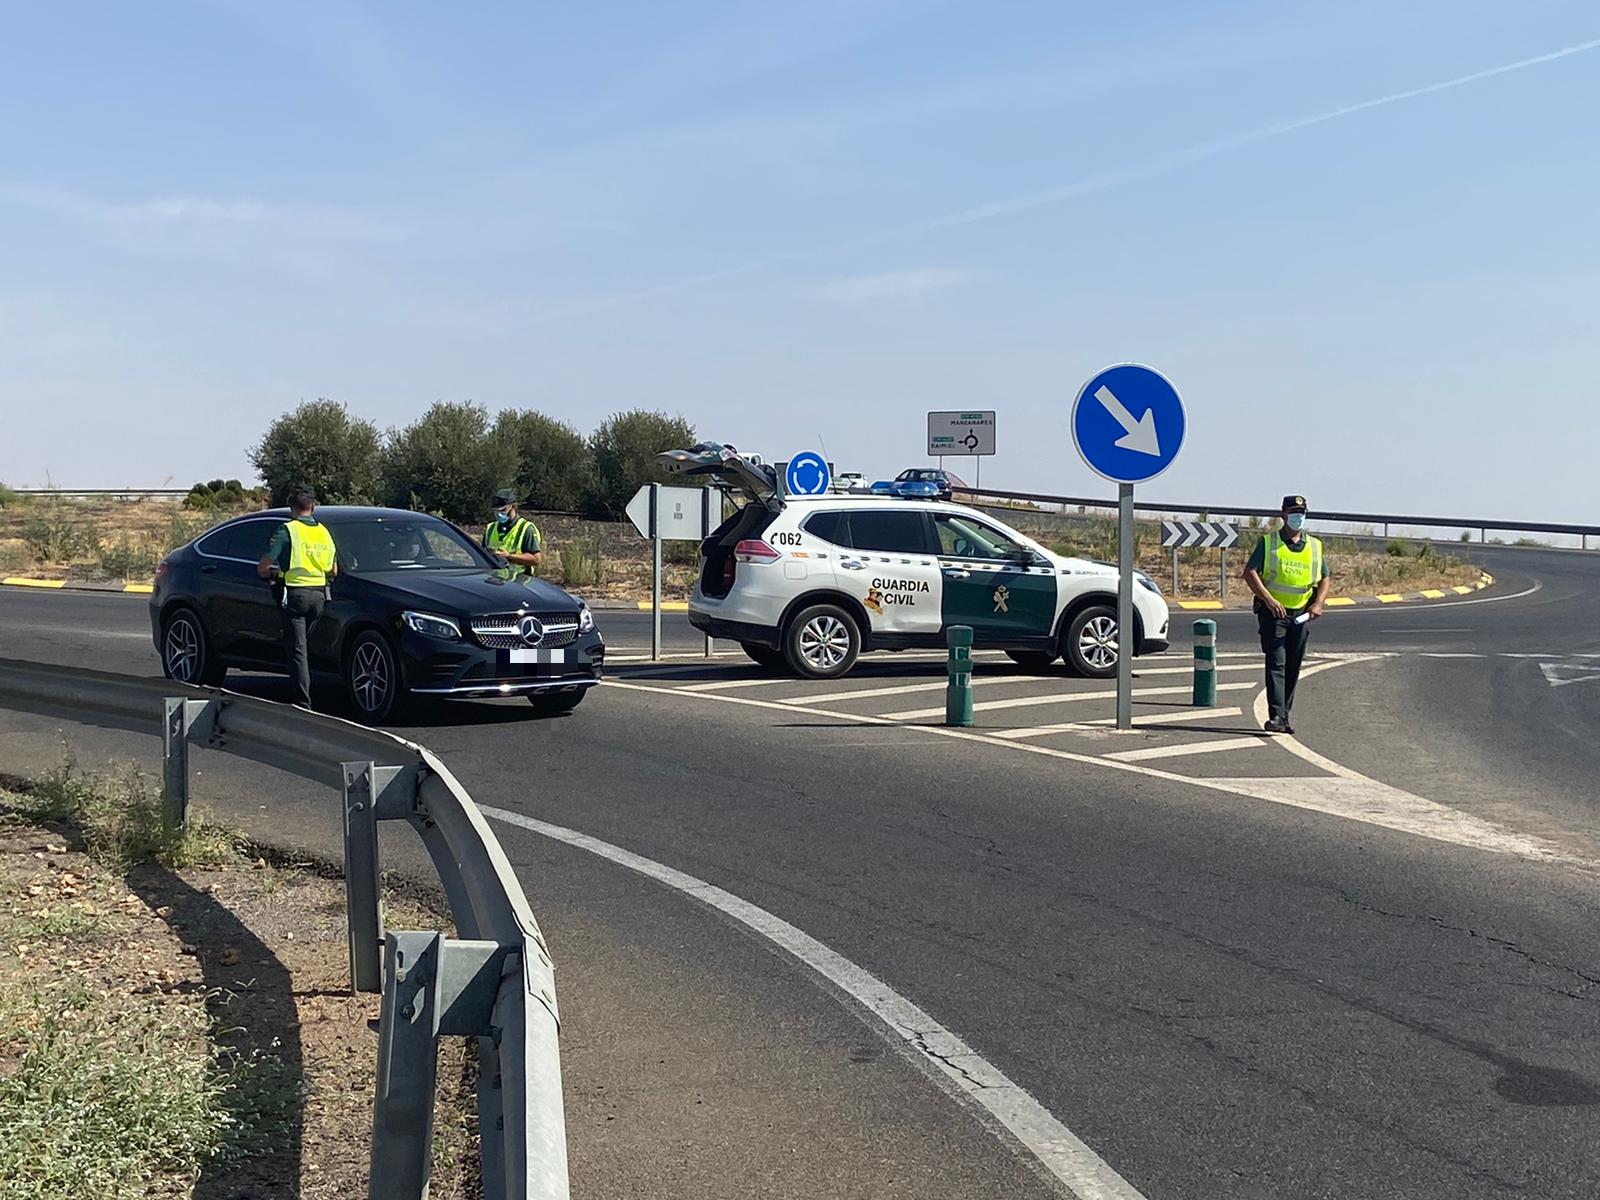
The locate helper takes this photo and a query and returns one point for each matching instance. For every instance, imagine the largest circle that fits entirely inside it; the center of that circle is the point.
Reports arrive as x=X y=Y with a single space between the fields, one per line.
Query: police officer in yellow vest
x=515 y=538
x=1289 y=576
x=300 y=559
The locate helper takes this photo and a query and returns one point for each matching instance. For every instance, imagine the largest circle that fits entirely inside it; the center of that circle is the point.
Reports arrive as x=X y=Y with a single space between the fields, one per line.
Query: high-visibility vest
x=311 y=555
x=509 y=542
x=1291 y=576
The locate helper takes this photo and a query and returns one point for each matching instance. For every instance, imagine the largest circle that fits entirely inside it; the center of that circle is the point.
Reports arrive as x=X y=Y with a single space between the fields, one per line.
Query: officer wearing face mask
x=515 y=538
x=1289 y=577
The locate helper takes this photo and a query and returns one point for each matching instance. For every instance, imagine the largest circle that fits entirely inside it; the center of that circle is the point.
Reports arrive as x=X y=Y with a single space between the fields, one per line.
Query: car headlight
x=585 y=619
x=1148 y=584
x=429 y=625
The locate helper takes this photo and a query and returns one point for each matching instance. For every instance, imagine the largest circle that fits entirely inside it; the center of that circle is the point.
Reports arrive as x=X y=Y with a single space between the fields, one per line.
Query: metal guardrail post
x=958 y=691
x=363 y=903
x=182 y=719
x=1205 y=663
x=408 y=1064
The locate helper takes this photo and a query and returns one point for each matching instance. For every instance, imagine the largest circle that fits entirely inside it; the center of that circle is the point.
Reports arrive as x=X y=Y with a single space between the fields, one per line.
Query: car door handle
x=208 y=570
x=957 y=573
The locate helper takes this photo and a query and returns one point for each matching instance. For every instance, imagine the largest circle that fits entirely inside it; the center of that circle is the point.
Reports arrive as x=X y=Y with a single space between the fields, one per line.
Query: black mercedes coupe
x=418 y=608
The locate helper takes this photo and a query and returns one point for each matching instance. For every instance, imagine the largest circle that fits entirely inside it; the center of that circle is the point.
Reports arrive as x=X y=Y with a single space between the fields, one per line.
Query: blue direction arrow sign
x=807 y=475
x=1128 y=423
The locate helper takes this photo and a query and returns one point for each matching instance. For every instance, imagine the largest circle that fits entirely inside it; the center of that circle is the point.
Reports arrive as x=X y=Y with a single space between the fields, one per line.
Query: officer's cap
x=504 y=497
x=1294 y=504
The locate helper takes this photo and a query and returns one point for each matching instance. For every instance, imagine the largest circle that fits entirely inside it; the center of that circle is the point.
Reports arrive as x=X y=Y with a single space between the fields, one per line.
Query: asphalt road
x=1185 y=956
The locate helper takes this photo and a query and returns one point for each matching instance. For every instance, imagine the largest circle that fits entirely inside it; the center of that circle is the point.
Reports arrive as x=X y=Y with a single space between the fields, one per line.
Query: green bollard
x=1205 y=663
x=958 y=692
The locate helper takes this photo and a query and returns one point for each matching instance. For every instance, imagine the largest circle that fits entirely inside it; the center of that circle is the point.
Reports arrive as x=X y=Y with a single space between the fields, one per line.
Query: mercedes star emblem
x=531 y=629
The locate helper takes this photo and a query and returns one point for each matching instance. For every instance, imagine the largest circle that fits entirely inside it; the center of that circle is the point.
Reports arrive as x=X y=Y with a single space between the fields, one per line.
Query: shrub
x=320 y=446
x=448 y=462
x=583 y=564
x=1466 y=535
x=1395 y=549
x=226 y=495
x=128 y=558
x=624 y=448
x=55 y=534
x=8 y=498
x=554 y=471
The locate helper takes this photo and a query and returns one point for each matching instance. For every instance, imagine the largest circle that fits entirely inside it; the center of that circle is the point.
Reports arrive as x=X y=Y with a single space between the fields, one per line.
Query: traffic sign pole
x=1125 y=625
x=655 y=572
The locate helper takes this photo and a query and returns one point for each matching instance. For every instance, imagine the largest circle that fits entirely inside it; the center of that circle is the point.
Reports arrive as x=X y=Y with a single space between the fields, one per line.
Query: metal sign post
x=1127 y=449
x=1125 y=621
x=655 y=572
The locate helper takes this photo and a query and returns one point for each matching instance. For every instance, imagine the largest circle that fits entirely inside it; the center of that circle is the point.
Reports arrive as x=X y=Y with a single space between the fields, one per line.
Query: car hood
x=472 y=592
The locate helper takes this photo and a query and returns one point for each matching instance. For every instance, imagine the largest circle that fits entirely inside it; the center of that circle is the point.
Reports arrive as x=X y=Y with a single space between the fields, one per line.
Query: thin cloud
x=1102 y=181
x=897 y=287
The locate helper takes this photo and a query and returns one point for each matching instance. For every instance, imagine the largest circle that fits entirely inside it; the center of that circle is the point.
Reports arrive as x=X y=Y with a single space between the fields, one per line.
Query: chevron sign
x=1178 y=534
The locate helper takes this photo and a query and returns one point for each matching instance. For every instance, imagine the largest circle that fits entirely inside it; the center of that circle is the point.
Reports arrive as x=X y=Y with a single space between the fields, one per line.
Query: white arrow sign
x=1139 y=436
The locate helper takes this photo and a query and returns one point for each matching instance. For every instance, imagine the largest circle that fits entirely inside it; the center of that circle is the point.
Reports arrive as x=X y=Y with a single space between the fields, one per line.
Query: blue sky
x=817 y=220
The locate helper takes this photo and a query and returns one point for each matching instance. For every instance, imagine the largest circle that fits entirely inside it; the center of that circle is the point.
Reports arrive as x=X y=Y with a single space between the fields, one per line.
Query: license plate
x=538 y=656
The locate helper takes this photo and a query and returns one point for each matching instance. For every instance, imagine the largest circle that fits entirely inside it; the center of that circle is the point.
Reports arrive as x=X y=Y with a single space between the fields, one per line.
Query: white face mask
x=1295 y=521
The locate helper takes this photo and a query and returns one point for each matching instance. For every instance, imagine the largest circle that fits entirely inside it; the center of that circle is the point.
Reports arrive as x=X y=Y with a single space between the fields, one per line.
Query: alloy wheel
x=1097 y=643
x=370 y=677
x=824 y=642
x=180 y=650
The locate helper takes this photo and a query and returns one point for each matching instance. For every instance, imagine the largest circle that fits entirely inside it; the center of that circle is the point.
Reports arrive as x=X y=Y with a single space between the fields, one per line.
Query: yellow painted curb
x=1433 y=593
x=666 y=606
x=1200 y=604
x=1339 y=602
x=17 y=581
x=142 y=589
x=1463 y=591
x=1391 y=598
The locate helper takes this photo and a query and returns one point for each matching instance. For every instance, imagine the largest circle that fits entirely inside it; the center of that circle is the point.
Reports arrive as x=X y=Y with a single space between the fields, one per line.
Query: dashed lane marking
x=1006 y=1109
x=904 y=689
x=1188 y=748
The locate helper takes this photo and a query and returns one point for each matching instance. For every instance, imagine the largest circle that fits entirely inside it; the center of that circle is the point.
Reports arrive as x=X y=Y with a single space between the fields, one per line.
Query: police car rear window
x=830 y=527
x=888 y=531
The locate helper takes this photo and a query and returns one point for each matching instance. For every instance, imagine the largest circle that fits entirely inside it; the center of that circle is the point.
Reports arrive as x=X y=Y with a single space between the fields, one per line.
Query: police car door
x=890 y=567
x=993 y=583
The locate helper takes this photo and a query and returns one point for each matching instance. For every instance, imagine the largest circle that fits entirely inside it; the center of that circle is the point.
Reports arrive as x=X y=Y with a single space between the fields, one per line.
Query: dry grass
x=181 y=1024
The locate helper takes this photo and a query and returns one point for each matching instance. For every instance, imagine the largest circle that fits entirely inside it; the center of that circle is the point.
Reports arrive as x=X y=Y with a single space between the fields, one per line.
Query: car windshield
x=919 y=477
x=419 y=543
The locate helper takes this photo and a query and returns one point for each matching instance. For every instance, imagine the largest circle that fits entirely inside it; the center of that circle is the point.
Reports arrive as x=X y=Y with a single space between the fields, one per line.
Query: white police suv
x=812 y=582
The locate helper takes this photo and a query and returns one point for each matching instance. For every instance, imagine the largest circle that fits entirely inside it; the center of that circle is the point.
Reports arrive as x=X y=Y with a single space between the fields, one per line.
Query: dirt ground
x=122 y=540
x=259 y=949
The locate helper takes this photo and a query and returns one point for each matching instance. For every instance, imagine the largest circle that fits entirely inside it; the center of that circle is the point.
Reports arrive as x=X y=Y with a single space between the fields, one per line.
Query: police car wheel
x=822 y=642
x=1092 y=643
x=764 y=656
x=1032 y=660
x=372 y=677
x=186 y=655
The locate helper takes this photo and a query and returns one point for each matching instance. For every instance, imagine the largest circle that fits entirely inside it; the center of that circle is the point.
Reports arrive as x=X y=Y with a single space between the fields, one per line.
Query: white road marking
x=1584 y=674
x=1099 y=723
x=1060 y=698
x=1358 y=797
x=1188 y=748
x=80 y=631
x=959 y=1070
x=1378 y=804
x=1438 y=654
x=902 y=689
x=723 y=684
x=1144 y=672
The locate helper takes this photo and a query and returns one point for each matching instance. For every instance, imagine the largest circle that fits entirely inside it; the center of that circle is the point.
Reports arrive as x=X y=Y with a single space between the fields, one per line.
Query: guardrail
x=976 y=496
x=116 y=492
x=494 y=981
